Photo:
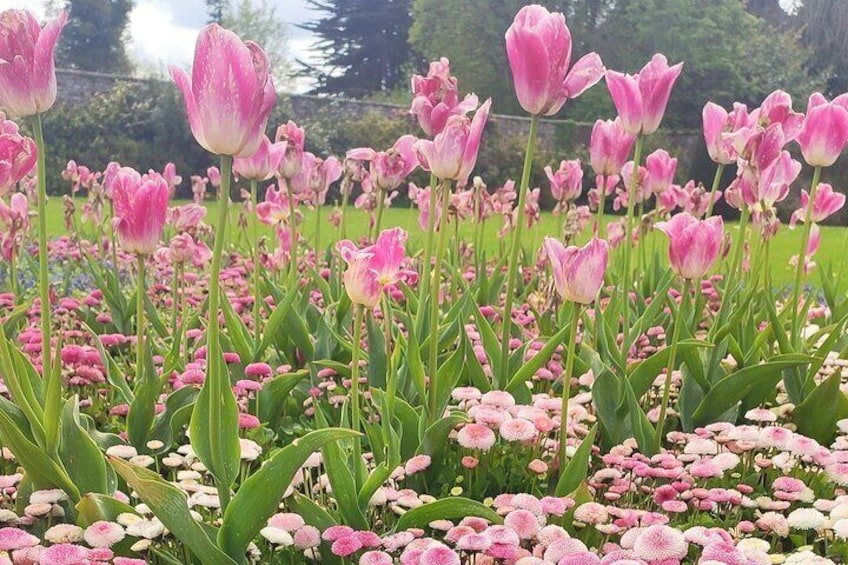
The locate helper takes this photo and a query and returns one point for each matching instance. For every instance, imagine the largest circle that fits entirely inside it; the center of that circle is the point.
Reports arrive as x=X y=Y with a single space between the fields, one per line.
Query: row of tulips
x=363 y=378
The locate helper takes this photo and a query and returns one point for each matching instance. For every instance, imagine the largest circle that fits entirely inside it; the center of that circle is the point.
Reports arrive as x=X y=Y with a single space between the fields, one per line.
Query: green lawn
x=786 y=243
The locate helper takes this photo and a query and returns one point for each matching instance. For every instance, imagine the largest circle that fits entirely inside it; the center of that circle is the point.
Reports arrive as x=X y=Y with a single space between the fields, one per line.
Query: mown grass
x=831 y=257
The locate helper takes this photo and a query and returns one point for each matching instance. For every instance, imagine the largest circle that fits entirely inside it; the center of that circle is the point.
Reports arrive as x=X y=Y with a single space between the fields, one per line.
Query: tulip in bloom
x=452 y=154
x=389 y=168
x=578 y=272
x=323 y=173
x=567 y=181
x=27 y=70
x=661 y=168
x=719 y=125
x=14 y=219
x=371 y=269
x=827 y=202
x=538 y=45
x=169 y=173
x=294 y=139
x=641 y=99
x=777 y=109
x=140 y=207
x=275 y=211
x=694 y=244
x=825 y=131
x=263 y=164
x=436 y=98
x=17 y=154
x=609 y=147
x=230 y=92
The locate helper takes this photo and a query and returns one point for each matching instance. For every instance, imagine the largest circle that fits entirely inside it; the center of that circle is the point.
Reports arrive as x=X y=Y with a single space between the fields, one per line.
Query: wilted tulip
x=578 y=272
x=826 y=203
x=567 y=181
x=436 y=98
x=641 y=99
x=263 y=164
x=371 y=269
x=17 y=155
x=538 y=45
x=230 y=92
x=694 y=244
x=27 y=70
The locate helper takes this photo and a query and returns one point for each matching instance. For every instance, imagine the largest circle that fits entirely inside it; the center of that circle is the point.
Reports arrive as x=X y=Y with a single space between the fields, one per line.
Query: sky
x=163 y=32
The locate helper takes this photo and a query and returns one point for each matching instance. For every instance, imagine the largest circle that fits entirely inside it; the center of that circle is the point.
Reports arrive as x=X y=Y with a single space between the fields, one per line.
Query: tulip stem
x=735 y=258
x=43 y=275
x=391 y=381
x=428 y=243
x=381 y=204
x=714 y=189
x=628 y=245
x=175 y=307
x=566 y=384
x=602 y=196
x=294 y=241
x=346 y=188
x=213 y=343
x=435 y=286
x=513 y=267
x=257 y=298
x=678 y=323
x=139 y=321
x=317 y=229
x=354 y=383
x=800 y=270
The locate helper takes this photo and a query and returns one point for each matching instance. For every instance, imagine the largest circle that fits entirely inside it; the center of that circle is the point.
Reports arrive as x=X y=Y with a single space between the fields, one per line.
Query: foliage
x=216 y=10
x=362 y=48
x=94 y=37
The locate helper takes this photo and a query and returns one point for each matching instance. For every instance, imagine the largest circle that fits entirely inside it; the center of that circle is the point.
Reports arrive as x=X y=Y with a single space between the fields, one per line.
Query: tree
x=363 y=48
x=824 y=28
x=258 y=21
x=94 y=37
x=216 y=10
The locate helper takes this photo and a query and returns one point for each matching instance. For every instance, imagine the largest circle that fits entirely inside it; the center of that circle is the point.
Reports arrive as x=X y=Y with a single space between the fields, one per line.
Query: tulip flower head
x=578 y=272
x=719 y=126
x=567 y=181
x=436 y=98
x=609 y=147
x=538 y=45
x=230 y=92
x=389 y=168
x=660 y=168
x=827 y=202
x=641 y=99
x=694 y=244
x=141 y=204
x=373 y=268
x=263 y=164
x=27 y=69
x=17 y=155
x=294 y=139
x=452 y=154
x=825 y=131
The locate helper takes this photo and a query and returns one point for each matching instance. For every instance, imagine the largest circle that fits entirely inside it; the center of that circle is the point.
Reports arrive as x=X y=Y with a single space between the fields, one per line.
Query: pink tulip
x=230 y=93
x=275 y=210
x=263 y=164
x=421 y=197
x=186 y=217
x=389 y=168
x=719 y=125
x=694 y=244
x=672 y=197
x=169 y=173
x=661 y=168
x=323 y=173
x=17 y=154
x=538 y=45
x=824 y=133
x=294 y=139
x=609 y=147
x=27 y=69
x=777 y=109
x=436 y=98
x=371 y=269
x=641 y=99
x=140 y=207
x=567 y=181
x=182 y=248
x=578 y=272
x=826 y=203
x=453 y=153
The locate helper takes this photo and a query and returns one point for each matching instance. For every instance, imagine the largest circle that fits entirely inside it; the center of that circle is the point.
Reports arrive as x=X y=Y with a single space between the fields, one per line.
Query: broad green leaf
x=529 y=368
x=237 y=331
x=259 y=495
x=114 y=374
x=446 y=509
x=578 y=467
x=214 y=425
x=314 y=515
x=435 y=438
x=274 y=394
x=167 y=426
x=645 y=373
x=143 y=407
x=274 y=327
x=170 y=505
x=729 y=391
x=643 y=432
x=816 y=417
x=80 y=456
x=94 y=507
